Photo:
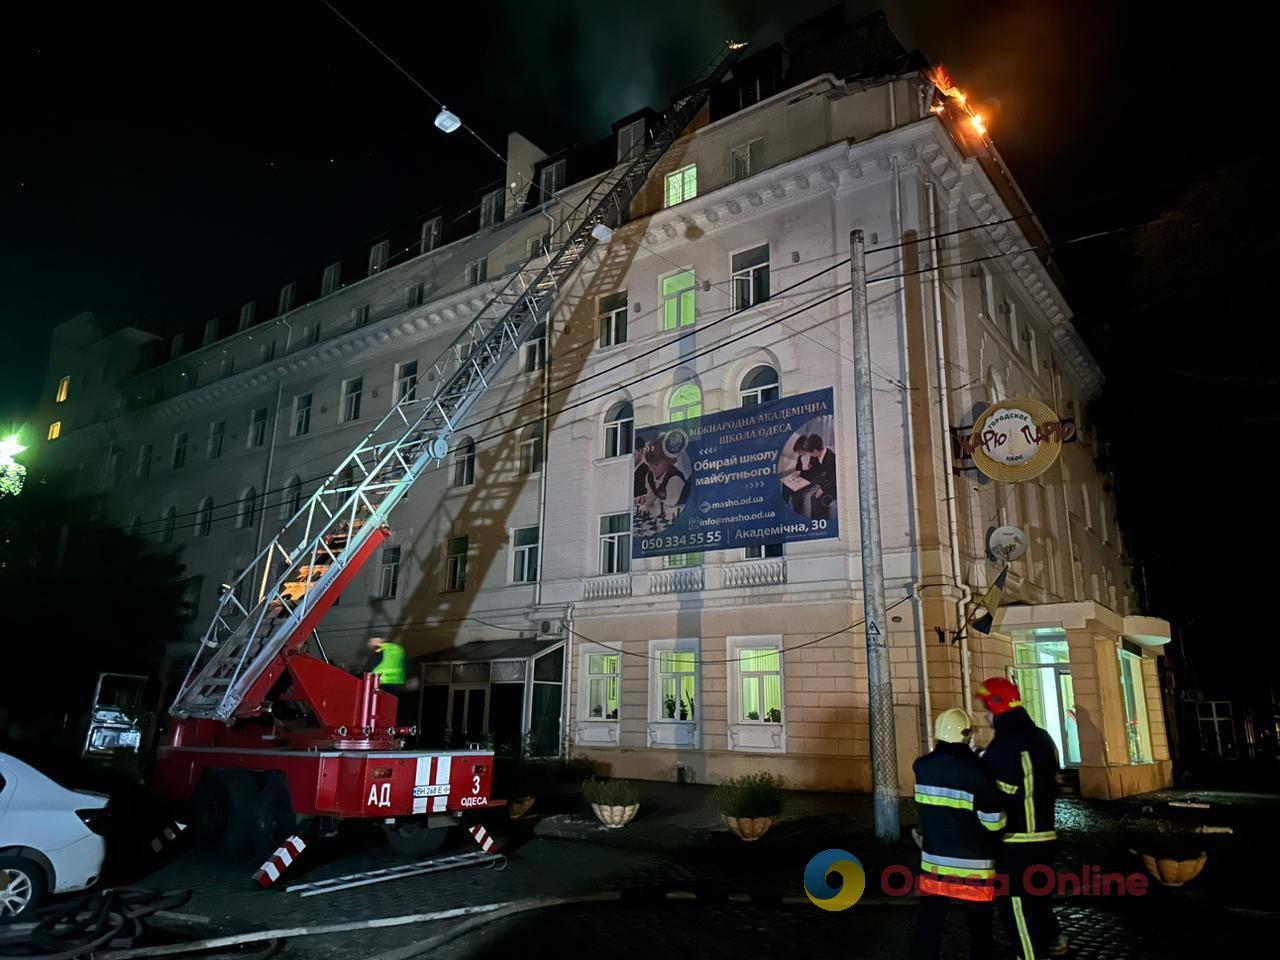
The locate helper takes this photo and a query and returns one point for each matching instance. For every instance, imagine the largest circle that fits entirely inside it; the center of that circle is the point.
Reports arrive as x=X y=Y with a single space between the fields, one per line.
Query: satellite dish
x=1006 y=543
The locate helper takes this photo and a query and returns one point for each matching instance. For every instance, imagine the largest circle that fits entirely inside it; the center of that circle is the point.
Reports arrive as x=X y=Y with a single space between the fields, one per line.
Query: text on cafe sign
x=1016 y=440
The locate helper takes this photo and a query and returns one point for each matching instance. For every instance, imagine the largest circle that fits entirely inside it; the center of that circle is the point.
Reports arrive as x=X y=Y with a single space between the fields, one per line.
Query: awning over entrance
x=517 y=648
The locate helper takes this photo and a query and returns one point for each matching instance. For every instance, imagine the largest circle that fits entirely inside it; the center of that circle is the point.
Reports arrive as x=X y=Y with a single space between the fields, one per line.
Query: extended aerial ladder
x=252 y=685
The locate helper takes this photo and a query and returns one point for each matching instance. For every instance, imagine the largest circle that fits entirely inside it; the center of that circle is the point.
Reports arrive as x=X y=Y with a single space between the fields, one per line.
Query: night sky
x=171 y=161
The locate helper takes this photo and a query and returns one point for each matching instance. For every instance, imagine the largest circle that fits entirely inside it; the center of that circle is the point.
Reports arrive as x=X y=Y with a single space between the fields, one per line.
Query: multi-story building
x=509 y=576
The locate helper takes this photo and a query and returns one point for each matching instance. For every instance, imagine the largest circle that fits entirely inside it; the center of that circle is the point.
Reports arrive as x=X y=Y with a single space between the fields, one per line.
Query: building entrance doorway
x=1042 y=671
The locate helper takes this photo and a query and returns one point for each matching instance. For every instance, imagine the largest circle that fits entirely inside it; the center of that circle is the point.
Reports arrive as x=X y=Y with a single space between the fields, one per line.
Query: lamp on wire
x=447 y=120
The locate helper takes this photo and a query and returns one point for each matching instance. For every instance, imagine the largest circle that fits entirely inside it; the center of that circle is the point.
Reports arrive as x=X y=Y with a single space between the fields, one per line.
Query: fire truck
x=263 y=729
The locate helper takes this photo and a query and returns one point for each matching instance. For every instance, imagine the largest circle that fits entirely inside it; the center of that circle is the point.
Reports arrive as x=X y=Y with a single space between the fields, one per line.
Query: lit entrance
x=1042 y=671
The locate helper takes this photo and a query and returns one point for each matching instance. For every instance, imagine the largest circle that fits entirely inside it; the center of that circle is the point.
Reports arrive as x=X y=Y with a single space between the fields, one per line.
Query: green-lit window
x=677 y=685
x=685 y=403
x=678 y=300
x=1135 y=708
x=760 y=674
x=681 y=185
x=602 y=687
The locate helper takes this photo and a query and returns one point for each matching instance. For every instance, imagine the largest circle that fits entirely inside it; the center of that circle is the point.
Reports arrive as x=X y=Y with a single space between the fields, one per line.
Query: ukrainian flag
x=991 y=601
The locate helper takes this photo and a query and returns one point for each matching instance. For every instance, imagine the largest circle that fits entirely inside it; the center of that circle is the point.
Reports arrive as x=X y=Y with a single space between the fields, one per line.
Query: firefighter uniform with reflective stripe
x=961 y=813
x=1023 y=759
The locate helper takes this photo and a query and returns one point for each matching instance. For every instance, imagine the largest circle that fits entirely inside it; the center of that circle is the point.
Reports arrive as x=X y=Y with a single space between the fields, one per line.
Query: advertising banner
x=747 y=477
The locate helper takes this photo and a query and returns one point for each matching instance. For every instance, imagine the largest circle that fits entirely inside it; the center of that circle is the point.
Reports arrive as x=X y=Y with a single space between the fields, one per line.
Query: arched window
x=246 y=509
x=169 y=520
x=134 y=524
x=531 y=449
x=619 y=428
x=685 y=403
x=292 y=498
x=464 y=463
x=760 y=385
x=204 y=517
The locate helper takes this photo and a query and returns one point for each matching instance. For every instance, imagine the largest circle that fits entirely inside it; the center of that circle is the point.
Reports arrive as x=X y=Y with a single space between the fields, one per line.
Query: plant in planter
x=749 y=803
x=614 y=802
x=1171 y=851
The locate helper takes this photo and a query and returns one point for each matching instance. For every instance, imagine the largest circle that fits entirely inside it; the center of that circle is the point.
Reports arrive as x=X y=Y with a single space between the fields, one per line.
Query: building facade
x=509 y=575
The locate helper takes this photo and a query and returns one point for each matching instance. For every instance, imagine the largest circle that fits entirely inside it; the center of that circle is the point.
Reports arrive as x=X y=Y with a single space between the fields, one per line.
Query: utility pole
x=884 y=754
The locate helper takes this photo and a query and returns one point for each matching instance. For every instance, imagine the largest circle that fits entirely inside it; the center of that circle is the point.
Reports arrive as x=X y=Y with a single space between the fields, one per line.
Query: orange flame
x=941 y=79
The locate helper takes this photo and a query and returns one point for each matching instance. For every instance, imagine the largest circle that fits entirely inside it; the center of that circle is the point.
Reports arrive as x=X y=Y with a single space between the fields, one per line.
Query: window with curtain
x=681 y=185
x=760 y=681
x=603 y=670
x=677 y=685
x=678 y=300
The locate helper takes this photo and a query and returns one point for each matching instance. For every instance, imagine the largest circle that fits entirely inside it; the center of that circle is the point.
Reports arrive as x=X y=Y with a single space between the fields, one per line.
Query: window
x=179 y=450
x=351 y=391
x=267 y=352
x=677 y=685
x=210 y=330
x=1032 y=349
x=455 y=564
x=763 y=551
x=746 y=159
x=329 y=279
x=378 y=254
x=985 y=294
x=537 y=246
x=246 y=510
x=750 y=277
x=760 y=385
x=531 y=449
x=685 y=403
x=247 y=311
x=214 y=447
x=1086 y=506
x=613 y=320
x=602 y=686
x=631 y=140
x=1135 y=707
x=227 y=367
x=678 y=300
x=1011 y=319
x=681 y=186
x=1042 y=671
x=615 y=543
x=415 y=295
x=535 y=349
x=550 y=180
x=115 y=467
x=311 y=334
x=477 y=271
x=407 y=381
x=292 y=501
x=760 y=682
x=430 y=237
x=168 y=524
x=204 y=517
x=464 y=464
x=288 y=296
x=491 y=208
x=360 y=315
x=145 y=453
x=302 y=414
x=257 y=427
x=524 y=554
x=64 y=390
x=1104 y=529
x=619 y=431
x=177 y=345
x=389 y=575
x=1217 y=729
x=55 y=430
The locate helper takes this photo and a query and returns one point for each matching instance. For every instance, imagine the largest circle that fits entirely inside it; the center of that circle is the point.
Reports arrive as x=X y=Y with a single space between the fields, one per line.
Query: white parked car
x=49 y=837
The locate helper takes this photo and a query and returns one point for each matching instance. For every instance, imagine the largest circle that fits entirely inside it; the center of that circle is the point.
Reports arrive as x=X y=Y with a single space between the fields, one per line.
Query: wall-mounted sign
x=1016 y=440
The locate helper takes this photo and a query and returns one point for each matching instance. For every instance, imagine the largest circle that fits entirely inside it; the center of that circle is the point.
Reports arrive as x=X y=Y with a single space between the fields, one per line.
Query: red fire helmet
x=1000 y=695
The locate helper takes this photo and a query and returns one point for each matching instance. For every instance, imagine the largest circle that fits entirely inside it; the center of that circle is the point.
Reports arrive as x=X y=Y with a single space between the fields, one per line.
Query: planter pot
x=1170 y=872
x=520 y=807
x=615 y=818
x=749 y=828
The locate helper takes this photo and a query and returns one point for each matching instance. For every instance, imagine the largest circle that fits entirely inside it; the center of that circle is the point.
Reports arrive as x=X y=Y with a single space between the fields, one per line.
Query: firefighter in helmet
x=961 y=811
x=1023 y=761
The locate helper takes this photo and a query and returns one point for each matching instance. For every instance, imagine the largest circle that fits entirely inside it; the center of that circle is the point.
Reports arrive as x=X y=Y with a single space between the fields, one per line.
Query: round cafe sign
x=1016 y=440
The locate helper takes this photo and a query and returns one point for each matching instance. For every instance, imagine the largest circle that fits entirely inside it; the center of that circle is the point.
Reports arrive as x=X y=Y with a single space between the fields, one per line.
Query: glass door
x=1069 y=749
x=1042 y=671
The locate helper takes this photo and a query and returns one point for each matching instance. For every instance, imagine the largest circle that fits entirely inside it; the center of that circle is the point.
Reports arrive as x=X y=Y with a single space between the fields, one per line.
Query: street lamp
x=12 y=473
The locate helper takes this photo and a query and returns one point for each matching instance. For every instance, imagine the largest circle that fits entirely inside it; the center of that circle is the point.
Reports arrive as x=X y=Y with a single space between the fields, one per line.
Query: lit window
x=257 y=427
x=168 y=524
x=685 y=403
x=1135 y=708
x=430 y=238
x=631 y=140
x=615 y=543
x=246 y=511
x=750 y=277
x=746 y=159
x=55 y=430
x=378 y=254
x=678 y=300
x=550 y=180
x=531 y=449
x=477 y=271
x=204 y=517
x=292 y=501
x=302 y=414
x=144 y=461
x=619 y=431
x=351 y=392
x=216 y=431
x=389 y=575
x=602 y=686
x=760 y=679
x=464 y=464
x=613 y=319
x=677 y=685
x=179 y=450
x=455 y=570
x=247 y=311
x=329 y=279
x=288 y=296
x=681 y=185
x=525 y=542
x=760 y=385
x=535 y=349
x=407 y=381
x=210 y=330
x=491 y=208
x=64 y=390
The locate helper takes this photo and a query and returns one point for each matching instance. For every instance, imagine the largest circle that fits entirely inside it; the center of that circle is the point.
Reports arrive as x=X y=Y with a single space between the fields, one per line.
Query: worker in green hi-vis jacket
x=386 y=662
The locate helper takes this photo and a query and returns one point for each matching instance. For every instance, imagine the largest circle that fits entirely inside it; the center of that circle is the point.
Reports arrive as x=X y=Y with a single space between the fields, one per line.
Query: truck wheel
x=226 y=804
x=275 y=819
x=22 y=887
x=415 y=839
